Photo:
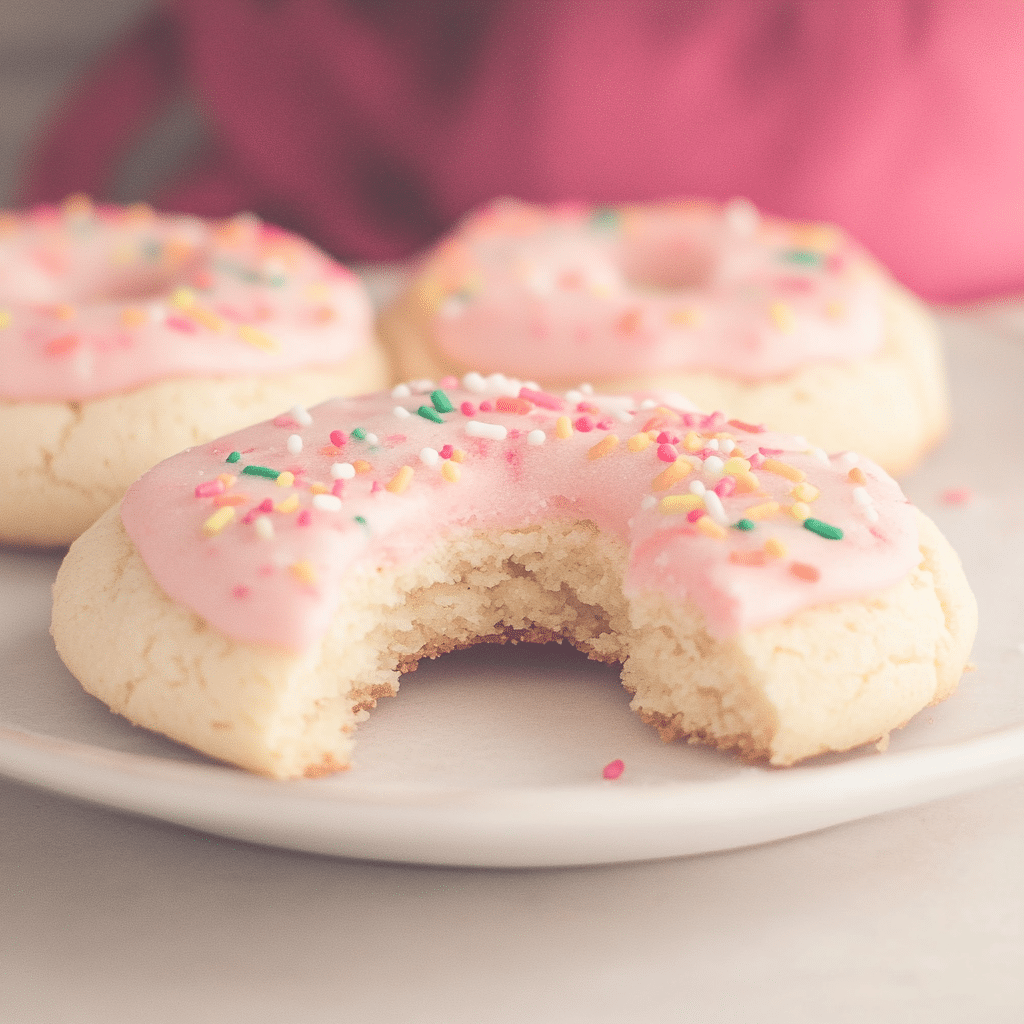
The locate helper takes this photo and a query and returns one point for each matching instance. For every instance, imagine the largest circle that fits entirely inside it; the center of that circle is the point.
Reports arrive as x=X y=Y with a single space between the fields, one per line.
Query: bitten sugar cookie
x=253 y=597
x=126 y=336
x=776 y=322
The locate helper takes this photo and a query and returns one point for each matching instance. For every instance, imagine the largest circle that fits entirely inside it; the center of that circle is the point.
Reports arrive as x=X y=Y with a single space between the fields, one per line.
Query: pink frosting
x=377 y=480
x=98 y=301
x=676 y=286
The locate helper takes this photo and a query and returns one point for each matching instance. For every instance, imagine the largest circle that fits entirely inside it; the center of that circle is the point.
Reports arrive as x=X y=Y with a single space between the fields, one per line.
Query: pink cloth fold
x=371 y=125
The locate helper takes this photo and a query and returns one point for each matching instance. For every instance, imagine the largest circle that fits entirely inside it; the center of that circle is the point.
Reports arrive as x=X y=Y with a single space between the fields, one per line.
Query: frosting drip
x=256 y=530
x=640 y=289
x=96 y=301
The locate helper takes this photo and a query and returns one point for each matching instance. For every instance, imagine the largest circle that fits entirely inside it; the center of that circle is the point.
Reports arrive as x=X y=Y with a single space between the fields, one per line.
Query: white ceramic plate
x=494 y=757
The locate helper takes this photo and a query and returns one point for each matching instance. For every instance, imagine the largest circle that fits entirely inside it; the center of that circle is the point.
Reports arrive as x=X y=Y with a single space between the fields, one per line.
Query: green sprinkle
x=802 y=257
x=743 y=524
x=233 y=457
x=429 y=414
x=359 y=434
x=604 y=218
x=152 y=249
x=441 y=401
x=270 y=474
x=826 y=530
x=360 y=520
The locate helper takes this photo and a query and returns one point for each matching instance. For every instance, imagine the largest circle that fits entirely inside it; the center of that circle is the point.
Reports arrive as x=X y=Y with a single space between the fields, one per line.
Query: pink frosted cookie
x=126 y=336
x=254 y=596
x=777 y=322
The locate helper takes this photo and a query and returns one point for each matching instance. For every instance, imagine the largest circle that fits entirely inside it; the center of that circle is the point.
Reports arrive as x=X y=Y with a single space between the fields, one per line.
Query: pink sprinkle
x=606 y=423
x=714 y=422
x=304 y=518
x=667 y=452
x=338 y=489
x=240 y=592
x=249 y=516
x=584 y=424
x=338 y=439
x=449 y=382
x=284 y=420
x=706 y=453
x=725 y=486
x=694 y=514
x=542 y=398
x=265 y=506
x=513 y=433
x=467 y=409
x=446 y=452
x=486 y=405
x=613 y=769
x=210 y=488
x=666 y=438
x=957 y=496
x=771 y=453
x=691 y=419
x=375 y=487
x=756 y=460
x=179 y=323
x=587 y=407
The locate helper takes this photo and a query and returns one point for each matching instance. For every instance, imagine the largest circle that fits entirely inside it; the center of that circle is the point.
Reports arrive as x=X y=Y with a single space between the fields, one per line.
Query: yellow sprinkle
x=64 y=311
x=735 y=466
x=638 y=442
x=289 y=505
x=451 y=472
x=183 y=298
x=458 y=455
x=799 y=511
x=763 y=511
x=685 y=317
x=710 y=528
x=805 y=492
x=132 y=316
x=782 y=316
x=774 y=548
x=227 y=479
x=603 y=447
x=318 y=291
x=303 y=571
x=672 y=474
x=746 y=483
x=400 y=481
x=257 y=338
x=218 y=520
x=681 y=503
x=207 y=318
x=361 y=466
x=318 y=488
x=5 y=319
x=783 y=469
x=563 y=427
x=693 y=442
x=285 y=479
x=835 y=310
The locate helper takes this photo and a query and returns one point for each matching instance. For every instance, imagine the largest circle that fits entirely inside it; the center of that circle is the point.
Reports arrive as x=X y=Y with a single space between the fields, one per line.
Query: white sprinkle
x=587 y=389
x=574 y=396
x=300 y=416
x=421 y=387
x=401 y=391
x=821 y=455
x=800 y=443
x=647 y=403
x=264 y=527
x=492 y=431
x=294 y=444
x=741 y=217
x=713 y=466
x=452 y=307
x=343 y=471
x=861 y=496
x=429 y=457
x=401 y=412
x=474 y=382
x=326 y=502
x=362 y=715
x=648 y=502
x=371 y=439
x=713 y=443
x=849 y=458
x=713 y=503
x=536 y=437
x=727 y=445
x=870 y=513
x=624 y=415
x=697 y=487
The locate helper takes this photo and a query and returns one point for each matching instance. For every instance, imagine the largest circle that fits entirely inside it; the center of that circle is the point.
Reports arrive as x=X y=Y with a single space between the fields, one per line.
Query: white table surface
x=915 y=915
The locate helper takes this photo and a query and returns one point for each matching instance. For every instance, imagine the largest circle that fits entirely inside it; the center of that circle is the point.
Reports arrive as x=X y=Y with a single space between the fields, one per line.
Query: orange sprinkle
x=774 y=548
x=303 y=571
x=681 y=503
x=324 y=314
x=257 y=338
x=400 y=481
x=710 y=528
x=318 y=488
x=132 y=316
x=361 y=466
x=457 y=456
x=783 y=469
x=804 y=571
x=63 y=345
x=516 y=405
x=451 y=472
x=746 y=483
x=687 y=317
x=218 y=521
x=754 y=558
x=856 y=475
x=782 y=316
x=206 y=318
x=64 y=311
x=765 y=510
x=330 y=450
x=563 y=427
x=605 y=446
x=672 y=474
x=638 y=442
x=230 y=499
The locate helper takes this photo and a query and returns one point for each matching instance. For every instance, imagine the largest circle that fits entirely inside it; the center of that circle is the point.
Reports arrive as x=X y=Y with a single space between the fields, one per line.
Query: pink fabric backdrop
x=370 y=126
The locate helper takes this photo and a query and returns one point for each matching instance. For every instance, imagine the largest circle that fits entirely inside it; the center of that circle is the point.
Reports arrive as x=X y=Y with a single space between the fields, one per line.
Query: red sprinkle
x=694 y=514
x=584 y=424
x=750 y=428
x=467 y=409
x=486 y=405
x=304 y=518
x=541 y=398
x=446 y=452
x=667 y=452
x=725 y=486
x=756 y=460
x=516 y=405
x=338 y=439
x=240 y=592
x=210 y=488
x=957 y=496
x=338 y=489
x=613 y=769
